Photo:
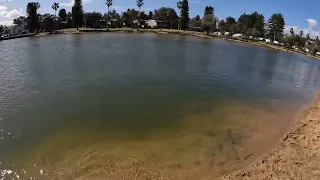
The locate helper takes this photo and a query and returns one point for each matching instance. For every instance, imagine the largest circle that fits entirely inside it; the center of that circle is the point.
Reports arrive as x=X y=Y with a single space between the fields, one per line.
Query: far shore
x=295 y=157
x=181 y=32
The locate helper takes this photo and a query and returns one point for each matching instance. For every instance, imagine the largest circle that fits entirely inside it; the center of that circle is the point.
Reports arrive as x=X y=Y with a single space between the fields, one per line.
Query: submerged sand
x=296 y=157
x=201 y=145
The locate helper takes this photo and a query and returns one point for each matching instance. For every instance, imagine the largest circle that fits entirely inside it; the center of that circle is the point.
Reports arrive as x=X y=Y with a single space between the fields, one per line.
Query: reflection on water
x=125 y=106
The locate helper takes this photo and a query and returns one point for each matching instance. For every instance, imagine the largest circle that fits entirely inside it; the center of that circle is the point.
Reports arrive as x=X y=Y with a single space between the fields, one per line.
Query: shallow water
x=115 y=106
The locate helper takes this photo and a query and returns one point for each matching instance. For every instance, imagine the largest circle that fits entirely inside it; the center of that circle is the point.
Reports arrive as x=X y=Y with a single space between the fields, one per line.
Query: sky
x=299 y=14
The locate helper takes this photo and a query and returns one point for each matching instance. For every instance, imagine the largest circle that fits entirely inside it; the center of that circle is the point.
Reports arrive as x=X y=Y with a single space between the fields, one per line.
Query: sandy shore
x=296 y=157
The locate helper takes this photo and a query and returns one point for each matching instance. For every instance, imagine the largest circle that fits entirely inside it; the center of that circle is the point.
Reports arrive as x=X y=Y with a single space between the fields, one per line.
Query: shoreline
x=185 y=33
x=296 y=156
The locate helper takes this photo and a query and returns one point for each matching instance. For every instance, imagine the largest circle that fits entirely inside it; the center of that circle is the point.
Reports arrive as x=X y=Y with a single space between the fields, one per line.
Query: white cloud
x=3 y=10
x=71 y=3
x=67 y=4
x=13 y=14
x=312 y=24
x=311 y=29
x=10 y=14
x=7 y=23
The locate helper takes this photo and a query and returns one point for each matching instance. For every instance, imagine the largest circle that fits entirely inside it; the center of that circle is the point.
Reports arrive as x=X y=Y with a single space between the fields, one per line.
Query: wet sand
x=296 y=157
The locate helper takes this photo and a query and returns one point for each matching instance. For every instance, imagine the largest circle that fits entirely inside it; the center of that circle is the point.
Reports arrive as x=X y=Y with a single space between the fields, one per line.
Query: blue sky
x=302 y=15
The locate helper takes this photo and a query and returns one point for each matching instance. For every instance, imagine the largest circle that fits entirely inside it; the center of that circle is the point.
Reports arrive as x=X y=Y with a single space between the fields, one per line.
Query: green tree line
x=249 y=24
x=253 y=24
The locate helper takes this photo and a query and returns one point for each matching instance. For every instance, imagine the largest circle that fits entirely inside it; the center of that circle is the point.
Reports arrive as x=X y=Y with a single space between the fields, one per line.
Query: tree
x=243 y=23
x=139 y=4
x=299 y=40
x=47 y=22
x=308 y=36
x=196 y=22
x=291 y=31
x=257 y=24
x=197 y=18
x=32 y=9
x=275 y=26
x=301 y=34
x=93 y=20
x=129 y=16
x=167 y=16
x=116 y=18
x=109 y=3
x=209 y=20
x=143 y=16
x=208 y=10
x=185 y=15
x=230 y=24
x=69 y=19
x=55 y=7
x=179 y=5
x=150 y=15
x=19 y=20
x=1 y=29
x=62 y=14
x=222 y=26
x=77 y=13
x=208 y=23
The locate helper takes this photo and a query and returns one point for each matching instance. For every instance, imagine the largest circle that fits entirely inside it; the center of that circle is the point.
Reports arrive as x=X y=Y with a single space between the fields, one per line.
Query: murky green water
x=112 y=106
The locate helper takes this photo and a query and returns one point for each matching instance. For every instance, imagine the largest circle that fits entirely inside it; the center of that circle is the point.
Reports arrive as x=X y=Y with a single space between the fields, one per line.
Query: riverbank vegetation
x=250 y=28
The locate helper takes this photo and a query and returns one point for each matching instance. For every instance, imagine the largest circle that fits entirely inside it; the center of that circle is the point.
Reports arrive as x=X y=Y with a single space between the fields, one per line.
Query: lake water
x=125 y=106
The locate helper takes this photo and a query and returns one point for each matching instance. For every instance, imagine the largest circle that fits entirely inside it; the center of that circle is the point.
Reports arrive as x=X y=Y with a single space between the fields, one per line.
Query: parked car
x=268 y=40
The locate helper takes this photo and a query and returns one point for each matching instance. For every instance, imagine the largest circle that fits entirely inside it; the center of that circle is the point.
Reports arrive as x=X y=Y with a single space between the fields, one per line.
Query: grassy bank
x=190 y=33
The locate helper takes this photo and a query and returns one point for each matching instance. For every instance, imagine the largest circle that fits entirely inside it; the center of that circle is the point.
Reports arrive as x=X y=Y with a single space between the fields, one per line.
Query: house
x=237 y=36
x=151 y=23
x=310 y=42
x=268 y=40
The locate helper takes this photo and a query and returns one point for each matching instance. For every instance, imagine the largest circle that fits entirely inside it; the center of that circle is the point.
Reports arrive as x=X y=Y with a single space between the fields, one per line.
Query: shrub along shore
x=181 y=32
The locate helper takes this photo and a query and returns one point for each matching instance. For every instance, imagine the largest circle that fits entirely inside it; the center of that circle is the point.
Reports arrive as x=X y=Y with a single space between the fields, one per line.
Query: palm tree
x=109 y=3
x=291 y=31
x=179 y=5
x=301 y=34
x=308 y=36
x=139 y=4
x=32 y=9
x=55 y=7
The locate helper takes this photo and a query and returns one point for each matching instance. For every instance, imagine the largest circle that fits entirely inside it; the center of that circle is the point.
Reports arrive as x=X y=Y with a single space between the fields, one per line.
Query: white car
x=268 y=40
